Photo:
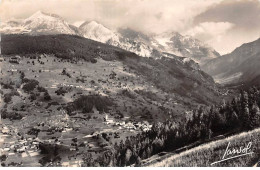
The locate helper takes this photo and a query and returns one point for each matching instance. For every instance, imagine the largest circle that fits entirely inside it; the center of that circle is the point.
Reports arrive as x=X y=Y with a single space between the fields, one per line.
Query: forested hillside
x=242 y=114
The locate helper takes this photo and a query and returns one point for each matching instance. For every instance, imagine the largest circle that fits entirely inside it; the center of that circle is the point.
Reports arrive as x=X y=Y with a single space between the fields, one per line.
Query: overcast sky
x=223 y=24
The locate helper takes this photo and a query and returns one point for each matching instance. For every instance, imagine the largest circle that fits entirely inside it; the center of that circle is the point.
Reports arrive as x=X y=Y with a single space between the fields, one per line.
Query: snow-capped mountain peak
x=44 y=23
x=143 y=44
x=186 y=46
x=96 y=31
x=38 y=14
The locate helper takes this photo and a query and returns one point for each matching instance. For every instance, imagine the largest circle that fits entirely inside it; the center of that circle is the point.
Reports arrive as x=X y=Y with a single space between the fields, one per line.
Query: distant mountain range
x=237 y=67
x=144 y=45
x=38 y=23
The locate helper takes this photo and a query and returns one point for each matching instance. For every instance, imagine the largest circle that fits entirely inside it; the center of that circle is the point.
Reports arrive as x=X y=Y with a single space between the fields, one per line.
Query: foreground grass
x=206 y=154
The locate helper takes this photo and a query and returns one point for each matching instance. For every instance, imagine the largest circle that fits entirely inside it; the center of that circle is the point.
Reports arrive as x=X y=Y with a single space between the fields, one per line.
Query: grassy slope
x=208 y=153
x=170 y=75
x=51 y=79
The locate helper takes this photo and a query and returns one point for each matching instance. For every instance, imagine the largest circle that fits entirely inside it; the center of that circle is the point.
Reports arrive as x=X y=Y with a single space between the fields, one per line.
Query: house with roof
x=107 y=120
x=16 y=59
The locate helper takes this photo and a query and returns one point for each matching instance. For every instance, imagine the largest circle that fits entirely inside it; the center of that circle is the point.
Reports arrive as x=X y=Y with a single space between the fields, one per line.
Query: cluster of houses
x=20 y=145
x=144 y=126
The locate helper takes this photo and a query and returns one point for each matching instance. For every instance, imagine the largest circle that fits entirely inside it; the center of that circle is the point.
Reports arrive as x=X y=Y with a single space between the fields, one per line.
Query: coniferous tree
x=203 y=124
x=245 y=111
x=234 y=121
x=218 y=124
x=254 y=117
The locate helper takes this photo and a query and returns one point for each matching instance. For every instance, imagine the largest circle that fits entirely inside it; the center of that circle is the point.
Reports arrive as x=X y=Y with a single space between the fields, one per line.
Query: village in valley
x=141 y=83
x=39 y=120
x=15 y=146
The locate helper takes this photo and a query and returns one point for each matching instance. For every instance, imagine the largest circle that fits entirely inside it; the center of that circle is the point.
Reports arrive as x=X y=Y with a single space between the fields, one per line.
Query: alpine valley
x=95 y=96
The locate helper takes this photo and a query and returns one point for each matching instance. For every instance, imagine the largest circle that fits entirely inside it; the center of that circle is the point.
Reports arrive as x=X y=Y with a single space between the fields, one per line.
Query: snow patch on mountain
x=163 y=41
x=146 y=45
x=47 y=23
x=97 y=32
x=38 y=23
x=185 y=46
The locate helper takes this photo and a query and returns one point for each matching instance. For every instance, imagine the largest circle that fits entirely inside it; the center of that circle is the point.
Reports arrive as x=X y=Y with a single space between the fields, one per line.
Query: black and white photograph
x=129 y=83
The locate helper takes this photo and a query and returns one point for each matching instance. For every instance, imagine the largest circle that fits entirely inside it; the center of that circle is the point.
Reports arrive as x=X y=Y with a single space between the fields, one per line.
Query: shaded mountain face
x=169 y=74
x=131 y=34
x=240 y=66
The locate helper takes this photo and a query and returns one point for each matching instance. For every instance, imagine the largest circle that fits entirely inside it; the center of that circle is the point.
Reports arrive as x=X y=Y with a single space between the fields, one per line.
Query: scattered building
x=107 y=120
x=15 y=59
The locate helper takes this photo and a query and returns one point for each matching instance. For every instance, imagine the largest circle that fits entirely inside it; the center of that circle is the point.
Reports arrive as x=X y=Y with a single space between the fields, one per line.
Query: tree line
x=204 y=124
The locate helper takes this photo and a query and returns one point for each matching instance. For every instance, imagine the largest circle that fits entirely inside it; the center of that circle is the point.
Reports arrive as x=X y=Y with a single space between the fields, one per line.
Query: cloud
x=208 y=31
x=244 y=15
x=142 y=15
x=213 y=33
x=224 y=24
